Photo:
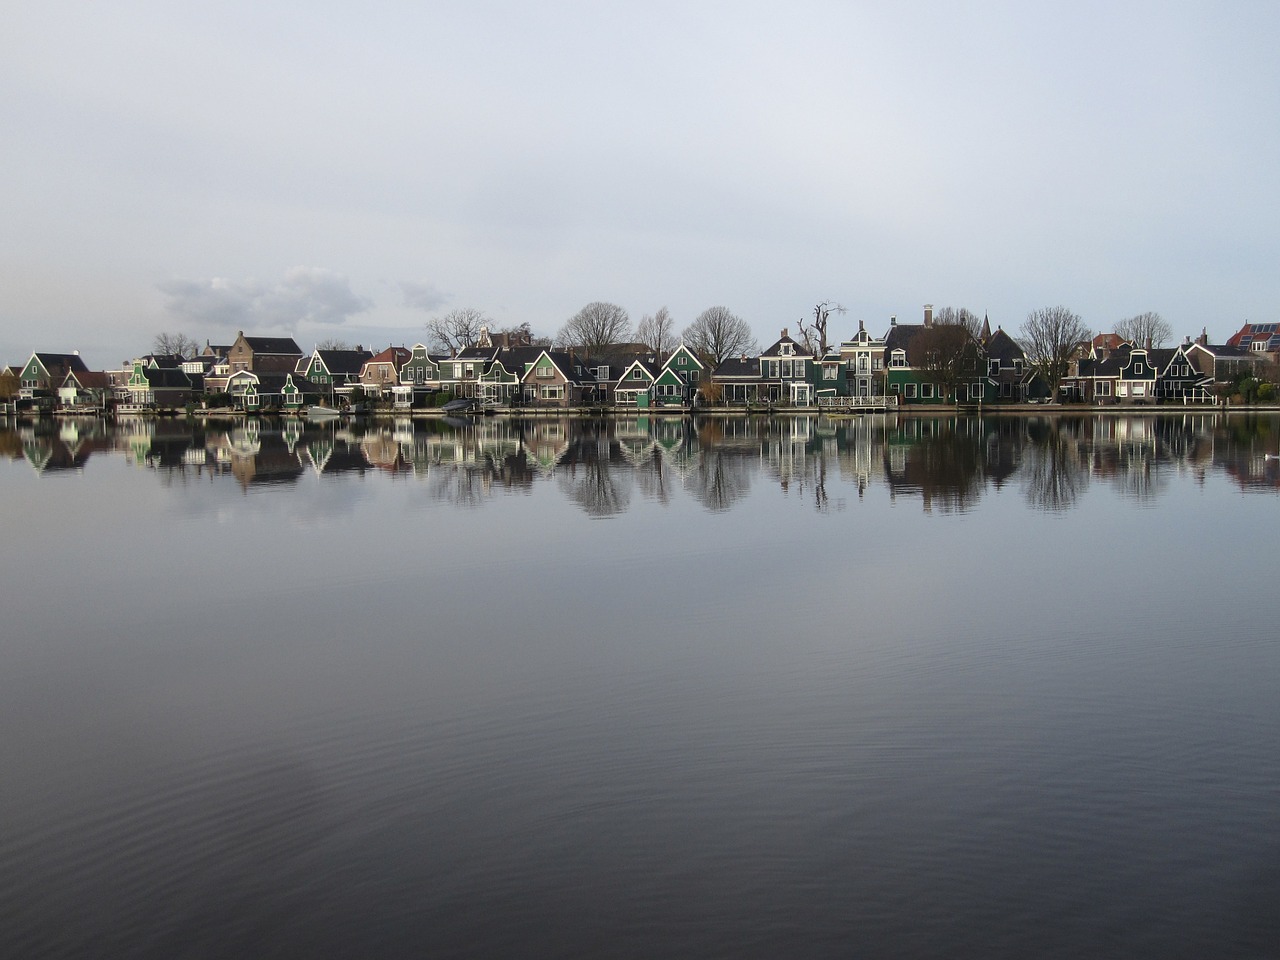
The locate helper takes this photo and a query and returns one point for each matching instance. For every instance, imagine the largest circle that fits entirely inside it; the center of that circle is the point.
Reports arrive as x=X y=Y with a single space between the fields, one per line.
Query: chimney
x=784 y=333
x=928 y=314
x=893 y=320
x=1204 y=336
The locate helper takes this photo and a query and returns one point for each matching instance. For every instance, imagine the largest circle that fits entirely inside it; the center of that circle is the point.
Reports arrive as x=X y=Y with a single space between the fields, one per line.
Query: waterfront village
x=924 y=364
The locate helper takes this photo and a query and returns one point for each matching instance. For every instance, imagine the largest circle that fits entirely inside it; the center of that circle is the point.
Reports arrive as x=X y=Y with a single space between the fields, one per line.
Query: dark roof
x=1001 y=346
x=343 y=361
x=280 y=345
x=65 y=361
x=737 y=368
x=776 y=349
x=166 y=377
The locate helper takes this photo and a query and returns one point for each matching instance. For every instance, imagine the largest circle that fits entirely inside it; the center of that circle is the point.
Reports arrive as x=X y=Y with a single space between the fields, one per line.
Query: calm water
x=903 y=688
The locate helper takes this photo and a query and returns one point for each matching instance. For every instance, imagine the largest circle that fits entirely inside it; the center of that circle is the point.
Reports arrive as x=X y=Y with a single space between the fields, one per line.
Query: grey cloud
x=304 y=294
x=422 y=296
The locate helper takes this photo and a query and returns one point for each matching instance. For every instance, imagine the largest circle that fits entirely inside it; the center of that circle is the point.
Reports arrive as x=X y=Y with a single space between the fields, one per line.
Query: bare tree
x=718 y=333
x=961 y=317
x=456 y=330
x=815 y=337
x=1049 y=338
x=596 y=327
x=333 y=343
x=1145 y=330
x=658 y=331
x=174 y=345
x=947 y=353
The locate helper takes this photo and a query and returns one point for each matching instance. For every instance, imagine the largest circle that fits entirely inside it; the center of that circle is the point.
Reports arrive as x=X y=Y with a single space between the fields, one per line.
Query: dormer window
x=785 y=350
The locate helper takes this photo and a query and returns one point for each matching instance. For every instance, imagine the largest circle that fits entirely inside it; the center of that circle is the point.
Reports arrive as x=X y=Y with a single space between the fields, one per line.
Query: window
x=773 y=369
x=637 y=374
x=799 y=368
x=926 y=391
x=545 y=372
x=911 y=391
x=552 y=392
x=830 y=371
x=893 y=388
x=878 y=363
x=899 y=359
x=995 y=368
x=1102 y=388
x=863 y=362
x=693 y=376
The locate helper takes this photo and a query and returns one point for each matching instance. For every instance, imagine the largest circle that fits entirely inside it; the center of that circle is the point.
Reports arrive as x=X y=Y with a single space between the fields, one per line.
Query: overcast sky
x=331 y=170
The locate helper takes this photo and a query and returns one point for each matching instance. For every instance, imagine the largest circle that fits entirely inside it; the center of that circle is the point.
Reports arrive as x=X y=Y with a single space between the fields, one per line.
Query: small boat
x=319 y=412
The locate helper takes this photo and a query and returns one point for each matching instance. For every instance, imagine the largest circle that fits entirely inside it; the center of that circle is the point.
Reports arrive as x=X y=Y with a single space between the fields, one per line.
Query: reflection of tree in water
x=1054 y=475
x=939 y=459
x=720 y=477
x=589 y=478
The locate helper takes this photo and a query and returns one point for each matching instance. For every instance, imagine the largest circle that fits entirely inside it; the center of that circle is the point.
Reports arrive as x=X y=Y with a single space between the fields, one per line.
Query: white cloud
x=304 y=295
x=423 y=296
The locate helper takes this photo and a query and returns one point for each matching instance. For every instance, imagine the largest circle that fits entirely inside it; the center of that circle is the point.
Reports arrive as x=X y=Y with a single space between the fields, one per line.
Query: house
x=1095 y=377
x=150 y=385
x=85 y=391
x=863 y=358
x=786 y=372
x=739 y=382
x=261 y=390
x=419 y=376
x=936 y=363
x=297 y=393
x=634 y=386
x=334 y=371
x=1224 y=363
x=381 y=372
x=262 y=354
x=678 y=380
x=1261 y=338
x=44 y=372
x=556 y=378
x=1177 y=378
x=500 y=382
x=1013 y=378
x=1137 y=377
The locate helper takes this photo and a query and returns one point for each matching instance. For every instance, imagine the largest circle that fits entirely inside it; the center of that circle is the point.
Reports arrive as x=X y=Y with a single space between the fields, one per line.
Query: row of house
x=921 y=363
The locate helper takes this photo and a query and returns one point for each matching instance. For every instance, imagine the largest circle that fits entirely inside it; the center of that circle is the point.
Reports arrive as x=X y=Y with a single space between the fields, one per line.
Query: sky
x=334 y=171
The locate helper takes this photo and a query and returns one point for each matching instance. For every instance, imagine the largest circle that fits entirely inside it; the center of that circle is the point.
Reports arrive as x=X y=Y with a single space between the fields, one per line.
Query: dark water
x=904 y=688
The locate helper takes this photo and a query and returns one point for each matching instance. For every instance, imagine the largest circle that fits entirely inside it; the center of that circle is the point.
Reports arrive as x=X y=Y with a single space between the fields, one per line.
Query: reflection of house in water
x=938 y=459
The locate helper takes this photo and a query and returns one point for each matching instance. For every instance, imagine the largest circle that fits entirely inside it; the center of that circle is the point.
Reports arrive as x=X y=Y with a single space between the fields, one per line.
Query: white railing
x=882 y=402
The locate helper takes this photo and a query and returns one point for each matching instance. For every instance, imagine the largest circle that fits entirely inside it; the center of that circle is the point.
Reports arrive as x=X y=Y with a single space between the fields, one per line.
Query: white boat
x=318 y=412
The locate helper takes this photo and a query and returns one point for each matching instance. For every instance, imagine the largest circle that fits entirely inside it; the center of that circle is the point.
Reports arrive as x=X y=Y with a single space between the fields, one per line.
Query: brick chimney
x=928 y=314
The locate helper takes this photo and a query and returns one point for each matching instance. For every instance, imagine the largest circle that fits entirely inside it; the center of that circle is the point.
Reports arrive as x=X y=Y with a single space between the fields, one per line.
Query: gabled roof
x=1252 y=333
x=397 y=356
x=170 y=377
x=90 y=379
x=284 y=346
x=565 y=362
x=737 y=368
x=900 y=336
x=1001 y=346
x=339 y=362
x=797 y=350
x=59 y=361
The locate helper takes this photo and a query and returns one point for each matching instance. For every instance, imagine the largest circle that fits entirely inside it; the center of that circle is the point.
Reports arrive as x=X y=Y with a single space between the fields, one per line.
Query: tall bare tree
x=1049 y=339
x=1145 y=330
x=718 y=333
x=174 y=345
x=961 y=317
x=333 y=343
x=814 y=336
x=596 y=327
x=947 y=354
x=456 y=330
x=657 y=331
